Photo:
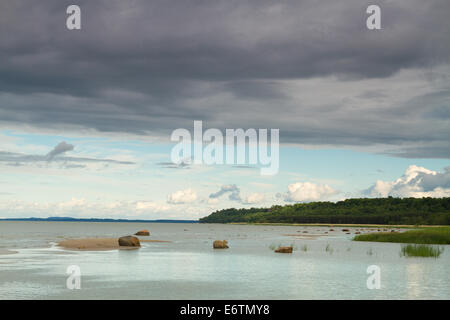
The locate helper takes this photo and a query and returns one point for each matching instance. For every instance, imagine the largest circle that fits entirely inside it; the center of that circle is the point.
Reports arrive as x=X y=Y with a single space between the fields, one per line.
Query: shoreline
x=405 y=226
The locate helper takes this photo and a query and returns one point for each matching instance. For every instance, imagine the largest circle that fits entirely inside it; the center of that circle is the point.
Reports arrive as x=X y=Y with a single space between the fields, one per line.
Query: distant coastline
x=70 y=219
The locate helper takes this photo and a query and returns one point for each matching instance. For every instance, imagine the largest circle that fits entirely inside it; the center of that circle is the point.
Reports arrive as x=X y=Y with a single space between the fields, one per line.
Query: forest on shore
x=394 y=211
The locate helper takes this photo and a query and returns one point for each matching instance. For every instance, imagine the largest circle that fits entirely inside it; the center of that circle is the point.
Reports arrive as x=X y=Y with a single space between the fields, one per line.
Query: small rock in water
x=129 y=241
x=220 y=244
x=284 y=250
x=142 y=233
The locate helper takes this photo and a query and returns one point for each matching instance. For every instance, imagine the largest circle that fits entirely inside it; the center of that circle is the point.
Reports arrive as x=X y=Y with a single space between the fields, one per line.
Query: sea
x=325 y=264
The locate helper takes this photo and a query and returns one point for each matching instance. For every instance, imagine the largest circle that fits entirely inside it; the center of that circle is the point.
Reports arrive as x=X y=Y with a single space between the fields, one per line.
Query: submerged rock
x=129 y=241
x=142 y=233
x=284 y=250
x=220 y=244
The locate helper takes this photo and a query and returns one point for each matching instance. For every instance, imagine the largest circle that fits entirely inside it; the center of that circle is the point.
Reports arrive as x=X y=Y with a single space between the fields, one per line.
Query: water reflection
x=414 y=280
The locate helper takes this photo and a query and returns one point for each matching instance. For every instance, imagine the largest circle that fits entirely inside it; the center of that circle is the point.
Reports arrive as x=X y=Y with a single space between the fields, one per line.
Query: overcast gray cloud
x=311 y=69
x=60 y=148
x=234 y=194
x=171 y=165
x=232 y=189
x=56 y=154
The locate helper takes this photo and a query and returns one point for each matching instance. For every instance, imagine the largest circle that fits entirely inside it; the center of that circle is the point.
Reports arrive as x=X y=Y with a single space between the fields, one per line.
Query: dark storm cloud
x=146 y=42
x=148 y=67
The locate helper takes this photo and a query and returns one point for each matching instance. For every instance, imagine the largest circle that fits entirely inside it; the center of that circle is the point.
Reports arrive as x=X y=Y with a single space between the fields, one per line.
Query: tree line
x=413 y=211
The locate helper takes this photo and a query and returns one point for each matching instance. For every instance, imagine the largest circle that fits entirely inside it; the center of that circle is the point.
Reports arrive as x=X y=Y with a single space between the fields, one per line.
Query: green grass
x=421 y=250
x=436 y=235
x=304 y=248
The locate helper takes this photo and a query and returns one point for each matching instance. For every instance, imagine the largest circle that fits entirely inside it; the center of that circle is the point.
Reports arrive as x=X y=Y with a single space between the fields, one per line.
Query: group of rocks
x=223 y=244
x=132 y=241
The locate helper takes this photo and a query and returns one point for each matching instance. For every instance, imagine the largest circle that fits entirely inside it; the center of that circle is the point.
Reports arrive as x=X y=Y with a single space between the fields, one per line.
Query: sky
x=86 y=115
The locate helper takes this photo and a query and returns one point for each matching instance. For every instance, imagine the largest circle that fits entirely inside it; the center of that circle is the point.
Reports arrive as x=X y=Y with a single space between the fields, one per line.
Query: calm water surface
x=188 y=267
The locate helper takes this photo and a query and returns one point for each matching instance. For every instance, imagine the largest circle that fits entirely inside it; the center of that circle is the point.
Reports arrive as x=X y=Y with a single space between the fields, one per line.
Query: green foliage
x=435 y=235
x=421 y=250
x=392 y=211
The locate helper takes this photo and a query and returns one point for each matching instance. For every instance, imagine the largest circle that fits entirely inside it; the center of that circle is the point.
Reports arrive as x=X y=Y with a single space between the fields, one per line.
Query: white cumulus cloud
x=213 y=201
x=308 y=191
x=83 y=208
x=182 y=196
x=415 y=182
x=253 y=198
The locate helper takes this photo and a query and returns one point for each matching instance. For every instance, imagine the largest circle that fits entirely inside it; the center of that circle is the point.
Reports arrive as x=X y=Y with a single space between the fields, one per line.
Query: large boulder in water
x=220 y=244
x=129 y=241
x=142 y=233
x=284 y=250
